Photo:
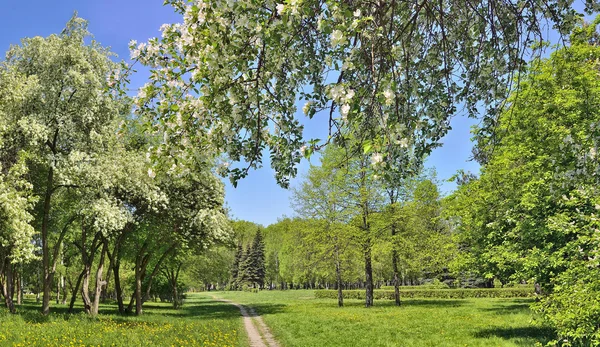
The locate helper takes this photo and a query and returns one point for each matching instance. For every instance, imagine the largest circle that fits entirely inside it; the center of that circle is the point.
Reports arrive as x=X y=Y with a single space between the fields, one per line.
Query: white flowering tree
x=57 y=96
x=389 y=73
x=16 y=231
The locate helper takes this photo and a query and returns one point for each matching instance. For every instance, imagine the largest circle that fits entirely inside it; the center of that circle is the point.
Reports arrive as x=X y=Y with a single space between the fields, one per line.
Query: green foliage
x=532 y=214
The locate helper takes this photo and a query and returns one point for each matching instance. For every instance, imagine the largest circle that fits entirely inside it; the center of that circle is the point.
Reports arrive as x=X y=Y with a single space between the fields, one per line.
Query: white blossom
x=306 y=108
x=376 y=158
x=280 y=9
x=345 y=109
x=337 y=38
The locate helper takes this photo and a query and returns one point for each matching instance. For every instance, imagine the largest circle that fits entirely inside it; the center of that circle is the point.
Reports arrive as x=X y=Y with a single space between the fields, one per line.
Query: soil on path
x=258 y=332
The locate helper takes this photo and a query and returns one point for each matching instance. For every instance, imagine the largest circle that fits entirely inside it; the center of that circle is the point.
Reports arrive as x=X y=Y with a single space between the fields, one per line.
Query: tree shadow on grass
x=198 y=309
x=508 y=309
x=525 y=336
x=265 y=309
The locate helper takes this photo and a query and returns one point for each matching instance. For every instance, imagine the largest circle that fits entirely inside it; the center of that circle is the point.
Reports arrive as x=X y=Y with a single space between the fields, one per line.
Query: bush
x=423 y=286
x=432 y=293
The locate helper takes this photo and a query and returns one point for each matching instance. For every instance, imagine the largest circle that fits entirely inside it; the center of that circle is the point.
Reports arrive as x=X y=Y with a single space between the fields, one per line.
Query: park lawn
x=201 y=322
x=296 y=318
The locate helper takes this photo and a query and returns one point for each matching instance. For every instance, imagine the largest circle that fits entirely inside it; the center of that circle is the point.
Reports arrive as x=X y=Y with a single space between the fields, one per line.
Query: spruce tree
x=235 y=269
x=244 y=268
x=257 y=261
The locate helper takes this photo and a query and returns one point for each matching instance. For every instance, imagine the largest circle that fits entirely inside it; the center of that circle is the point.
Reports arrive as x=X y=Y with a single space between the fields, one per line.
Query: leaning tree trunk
x=74 y=291
x=118 y=289
x=85 y=289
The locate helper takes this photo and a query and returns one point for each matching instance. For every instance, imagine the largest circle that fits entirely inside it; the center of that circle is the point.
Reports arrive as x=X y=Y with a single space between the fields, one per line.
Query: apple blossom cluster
x=226 y=79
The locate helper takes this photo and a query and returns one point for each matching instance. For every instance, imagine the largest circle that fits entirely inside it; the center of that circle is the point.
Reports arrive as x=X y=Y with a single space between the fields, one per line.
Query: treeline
x=85 y=212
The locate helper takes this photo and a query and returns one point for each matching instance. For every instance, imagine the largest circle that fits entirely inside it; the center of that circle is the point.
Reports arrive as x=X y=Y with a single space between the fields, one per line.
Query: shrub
x=433 y=293
x=440 y=285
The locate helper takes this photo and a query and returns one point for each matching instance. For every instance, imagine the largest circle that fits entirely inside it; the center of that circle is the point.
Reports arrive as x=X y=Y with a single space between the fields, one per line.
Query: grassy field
x=201 y=322
x=296 y=318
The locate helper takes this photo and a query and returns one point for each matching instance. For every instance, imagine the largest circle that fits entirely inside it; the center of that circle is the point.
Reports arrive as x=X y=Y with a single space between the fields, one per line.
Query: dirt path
x=258 y=332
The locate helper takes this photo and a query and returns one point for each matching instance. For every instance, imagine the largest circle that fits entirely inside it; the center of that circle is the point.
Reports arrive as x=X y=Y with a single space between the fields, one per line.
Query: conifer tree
x=244 y=266
x=257 y=260
x=235 y=269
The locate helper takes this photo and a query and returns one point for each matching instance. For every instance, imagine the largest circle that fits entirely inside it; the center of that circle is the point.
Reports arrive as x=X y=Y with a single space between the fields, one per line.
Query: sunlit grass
x=200 y=322
x=296 y=318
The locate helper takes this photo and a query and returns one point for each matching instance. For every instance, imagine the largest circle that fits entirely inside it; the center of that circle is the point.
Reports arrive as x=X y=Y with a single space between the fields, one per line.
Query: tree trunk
x=75 y=290
x=47 y=279
x=7 y=286
x=99 y=281
x=396 y=277
x=19 y=288
x=338 y=275
x=138 y=291
x=118 y=289
x=395 y=267
x=338 y=280
x=368 y=277
x=64 y=290
x=86 y=258
x=85 y=288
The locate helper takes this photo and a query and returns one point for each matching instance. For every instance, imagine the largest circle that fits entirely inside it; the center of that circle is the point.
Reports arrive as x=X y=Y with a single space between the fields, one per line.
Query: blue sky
x=115 y=22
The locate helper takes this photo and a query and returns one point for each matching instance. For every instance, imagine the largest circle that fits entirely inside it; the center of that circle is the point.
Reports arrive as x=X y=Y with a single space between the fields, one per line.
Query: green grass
x=201 y=322
x=296 y=318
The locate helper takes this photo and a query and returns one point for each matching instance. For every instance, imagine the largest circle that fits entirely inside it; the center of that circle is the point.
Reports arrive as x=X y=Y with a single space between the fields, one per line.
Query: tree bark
x=87 y=258
x=7 y=286
x=19 y=288
x=99 y=280
x=338 y=276
x=118 y=289
x=395 y=268
x=75 y=290
x=85 y=287
x=138 y=291
x=47 y=279
x=368 y=277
